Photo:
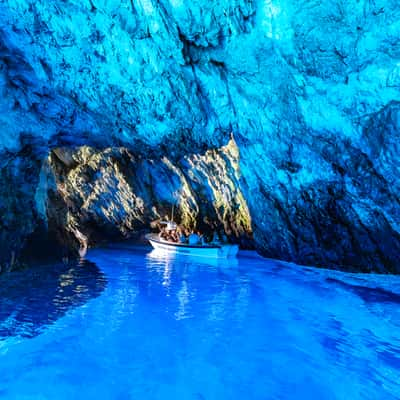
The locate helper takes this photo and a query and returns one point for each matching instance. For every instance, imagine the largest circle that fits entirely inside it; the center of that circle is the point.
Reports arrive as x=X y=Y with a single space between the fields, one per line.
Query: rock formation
x=110 y=194
x=101 y=100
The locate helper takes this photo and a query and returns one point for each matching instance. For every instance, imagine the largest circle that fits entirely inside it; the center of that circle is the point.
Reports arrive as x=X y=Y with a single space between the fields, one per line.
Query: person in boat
x=175 y=236
x=171 y=236
x=202 y=240
x=194 y=238
x=182 y=236
x=167 y=236
x=215 y=238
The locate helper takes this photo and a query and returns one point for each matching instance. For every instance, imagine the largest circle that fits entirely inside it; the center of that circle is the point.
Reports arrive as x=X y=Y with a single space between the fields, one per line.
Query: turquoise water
x=128 y=324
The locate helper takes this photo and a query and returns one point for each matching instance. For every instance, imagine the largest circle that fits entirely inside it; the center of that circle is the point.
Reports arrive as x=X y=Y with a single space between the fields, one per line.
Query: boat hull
x=217 y=251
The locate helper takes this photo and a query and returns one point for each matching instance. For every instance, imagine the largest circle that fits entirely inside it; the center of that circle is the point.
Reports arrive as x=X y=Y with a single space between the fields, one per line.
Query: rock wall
x=113 y=193
x=309 y=89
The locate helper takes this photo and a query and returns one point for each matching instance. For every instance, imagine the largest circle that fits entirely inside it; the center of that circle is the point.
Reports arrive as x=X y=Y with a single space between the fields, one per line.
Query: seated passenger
x=182 y=237
x=174 y=236
x=194 y=238
x=201 y=238
x=215 y=238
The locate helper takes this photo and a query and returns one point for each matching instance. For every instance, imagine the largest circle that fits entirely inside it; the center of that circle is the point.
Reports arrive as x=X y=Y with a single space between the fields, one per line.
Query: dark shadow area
x=45 y=247
x=368 y=294
x=34 y=298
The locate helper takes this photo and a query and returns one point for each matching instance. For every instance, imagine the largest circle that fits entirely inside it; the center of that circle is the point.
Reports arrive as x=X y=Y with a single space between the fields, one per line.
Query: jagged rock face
x=18 y=180
x=309 y=89
x=113 y=193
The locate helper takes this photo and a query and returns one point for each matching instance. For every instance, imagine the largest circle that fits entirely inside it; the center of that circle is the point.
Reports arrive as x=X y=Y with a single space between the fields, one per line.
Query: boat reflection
x=179 y=275
x=174 y=258
x=34 y=298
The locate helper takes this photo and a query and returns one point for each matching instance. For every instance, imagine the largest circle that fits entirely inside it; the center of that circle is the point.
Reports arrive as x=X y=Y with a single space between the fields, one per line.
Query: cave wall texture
x=111 y=111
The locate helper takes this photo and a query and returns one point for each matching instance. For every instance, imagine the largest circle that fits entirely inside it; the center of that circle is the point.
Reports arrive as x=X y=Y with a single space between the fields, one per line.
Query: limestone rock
x=113 y=193
x=309 y=89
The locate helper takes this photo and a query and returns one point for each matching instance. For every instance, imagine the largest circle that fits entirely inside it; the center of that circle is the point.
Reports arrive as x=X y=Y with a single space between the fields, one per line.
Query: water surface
x=150 y=327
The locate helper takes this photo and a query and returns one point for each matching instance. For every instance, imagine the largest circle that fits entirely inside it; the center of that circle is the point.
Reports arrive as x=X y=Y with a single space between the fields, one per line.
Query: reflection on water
x=33 y=298
x=183 y=298
x=188 y=328
x=166 y=259
x=184 y=267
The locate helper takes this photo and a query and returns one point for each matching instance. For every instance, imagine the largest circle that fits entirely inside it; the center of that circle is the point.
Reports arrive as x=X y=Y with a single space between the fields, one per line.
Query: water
x=129 y=325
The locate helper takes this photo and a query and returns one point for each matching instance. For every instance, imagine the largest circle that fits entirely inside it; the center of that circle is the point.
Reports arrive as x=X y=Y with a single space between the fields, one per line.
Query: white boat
x=203 y=250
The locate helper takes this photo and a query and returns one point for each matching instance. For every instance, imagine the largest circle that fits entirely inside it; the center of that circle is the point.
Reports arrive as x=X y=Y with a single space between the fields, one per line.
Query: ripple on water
x=181 y=328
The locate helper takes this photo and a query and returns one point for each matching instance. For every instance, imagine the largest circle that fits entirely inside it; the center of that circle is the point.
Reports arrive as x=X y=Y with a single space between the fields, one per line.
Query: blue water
x=127 y=324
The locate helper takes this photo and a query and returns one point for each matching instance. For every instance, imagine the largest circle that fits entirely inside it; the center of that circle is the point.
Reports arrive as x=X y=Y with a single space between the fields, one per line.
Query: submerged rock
x=153 y=89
